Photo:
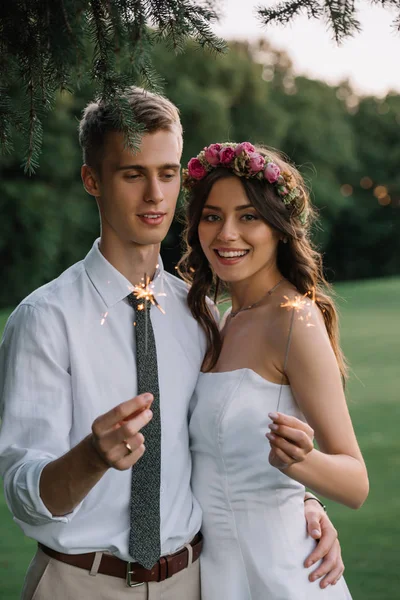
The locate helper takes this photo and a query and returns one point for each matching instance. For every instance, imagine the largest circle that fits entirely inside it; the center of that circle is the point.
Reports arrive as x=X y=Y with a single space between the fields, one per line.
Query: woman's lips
x=234 y=258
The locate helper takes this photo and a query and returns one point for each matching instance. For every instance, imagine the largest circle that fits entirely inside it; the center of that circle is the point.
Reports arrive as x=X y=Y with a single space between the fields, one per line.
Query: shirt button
x=161 y=490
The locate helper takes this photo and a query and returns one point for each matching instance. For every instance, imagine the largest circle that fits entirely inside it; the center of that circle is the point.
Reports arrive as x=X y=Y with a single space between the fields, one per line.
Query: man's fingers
x=112 y=445
x=127 y=461
x=326 y=566
x=328 y=539
x=332 y=578
x=133 y=426
x=119 y=451
x=137 y=412
x=119 y=413
x=330 y=569
x=282 y=419
x=313 y=527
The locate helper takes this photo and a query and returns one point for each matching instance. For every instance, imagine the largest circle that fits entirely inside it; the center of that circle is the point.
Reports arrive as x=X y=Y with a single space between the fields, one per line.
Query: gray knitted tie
x=144 y=537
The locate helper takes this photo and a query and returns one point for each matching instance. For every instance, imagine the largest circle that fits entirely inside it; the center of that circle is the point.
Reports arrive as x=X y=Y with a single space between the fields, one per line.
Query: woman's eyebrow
x=217 y=208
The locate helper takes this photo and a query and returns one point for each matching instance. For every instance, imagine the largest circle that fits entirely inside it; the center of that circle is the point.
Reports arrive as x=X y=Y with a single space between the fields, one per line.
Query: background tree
x=340 y=15
x=47 y=46
x=346 y=147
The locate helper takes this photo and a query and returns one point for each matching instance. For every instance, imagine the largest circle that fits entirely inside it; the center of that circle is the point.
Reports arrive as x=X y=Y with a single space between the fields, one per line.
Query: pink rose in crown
x=256 y=162
x=212 y=154
x=196 y=169
x=272 y=172
x=244 y=147
x=226 y=155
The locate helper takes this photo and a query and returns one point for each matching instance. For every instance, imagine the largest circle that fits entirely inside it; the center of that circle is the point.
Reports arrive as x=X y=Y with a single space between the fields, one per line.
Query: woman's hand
x=290 y=439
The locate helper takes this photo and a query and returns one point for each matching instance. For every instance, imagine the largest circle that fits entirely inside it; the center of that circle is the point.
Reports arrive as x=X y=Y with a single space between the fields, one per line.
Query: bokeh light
x=346 y=189
x=380 y=192
x=366 y=183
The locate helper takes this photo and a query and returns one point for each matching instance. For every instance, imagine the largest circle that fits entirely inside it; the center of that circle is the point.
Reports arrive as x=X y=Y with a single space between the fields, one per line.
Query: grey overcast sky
x=370 y=60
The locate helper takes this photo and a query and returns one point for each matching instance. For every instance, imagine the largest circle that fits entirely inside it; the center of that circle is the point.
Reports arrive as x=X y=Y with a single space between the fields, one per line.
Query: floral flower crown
x=244 y=161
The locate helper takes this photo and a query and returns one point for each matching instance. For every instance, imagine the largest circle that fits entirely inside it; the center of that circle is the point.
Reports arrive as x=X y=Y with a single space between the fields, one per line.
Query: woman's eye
x=249 y=217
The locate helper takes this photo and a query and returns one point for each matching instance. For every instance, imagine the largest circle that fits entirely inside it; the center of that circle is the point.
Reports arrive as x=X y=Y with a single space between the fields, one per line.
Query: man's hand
x=320 y=527
x=116 y=434
x=66 y=481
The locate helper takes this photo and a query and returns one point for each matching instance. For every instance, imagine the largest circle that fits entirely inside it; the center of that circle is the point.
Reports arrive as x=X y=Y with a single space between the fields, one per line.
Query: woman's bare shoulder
x=292 y=311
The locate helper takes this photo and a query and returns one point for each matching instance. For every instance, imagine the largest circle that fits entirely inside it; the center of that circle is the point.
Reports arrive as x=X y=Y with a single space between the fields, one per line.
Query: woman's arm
x=337 y=470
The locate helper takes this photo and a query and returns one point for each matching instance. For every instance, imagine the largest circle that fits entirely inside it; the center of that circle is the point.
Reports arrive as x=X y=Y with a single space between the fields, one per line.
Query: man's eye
x=169 y=175
x=133 y=176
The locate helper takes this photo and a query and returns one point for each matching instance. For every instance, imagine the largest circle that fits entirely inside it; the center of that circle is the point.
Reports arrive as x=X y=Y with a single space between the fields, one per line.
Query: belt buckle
x=129 y=574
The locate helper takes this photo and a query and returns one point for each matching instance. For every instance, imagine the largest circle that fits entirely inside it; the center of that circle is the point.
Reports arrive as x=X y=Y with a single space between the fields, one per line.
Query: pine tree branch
x=341 y=18
x=340 y=15
x=6 y=143
x=35 y=133
x=48 y=42
x=72 y=35
x=285 y=11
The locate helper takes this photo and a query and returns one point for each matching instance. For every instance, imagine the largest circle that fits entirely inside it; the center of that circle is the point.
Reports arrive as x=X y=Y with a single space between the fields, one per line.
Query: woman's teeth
x=232 y=253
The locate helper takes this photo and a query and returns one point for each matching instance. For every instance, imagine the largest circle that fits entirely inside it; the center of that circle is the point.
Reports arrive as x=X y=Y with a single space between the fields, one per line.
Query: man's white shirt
x=68 y=356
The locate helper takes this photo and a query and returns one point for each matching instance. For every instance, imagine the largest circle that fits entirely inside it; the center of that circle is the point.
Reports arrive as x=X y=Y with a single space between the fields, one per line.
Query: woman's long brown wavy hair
x=297 y=260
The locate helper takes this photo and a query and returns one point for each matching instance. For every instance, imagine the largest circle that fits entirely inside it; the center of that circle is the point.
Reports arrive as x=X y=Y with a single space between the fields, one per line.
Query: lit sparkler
x=301 y=304
x=144 y=291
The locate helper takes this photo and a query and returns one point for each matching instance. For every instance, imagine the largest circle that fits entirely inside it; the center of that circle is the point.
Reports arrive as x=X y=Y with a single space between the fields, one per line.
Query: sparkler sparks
x=144 y=291
x=301 y=304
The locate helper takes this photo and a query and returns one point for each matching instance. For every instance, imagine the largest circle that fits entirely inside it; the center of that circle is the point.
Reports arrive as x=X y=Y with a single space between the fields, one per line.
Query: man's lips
x=152 y=218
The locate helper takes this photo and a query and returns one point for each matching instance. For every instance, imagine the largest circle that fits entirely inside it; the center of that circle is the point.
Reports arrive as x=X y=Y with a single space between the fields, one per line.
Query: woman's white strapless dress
x=255 y=539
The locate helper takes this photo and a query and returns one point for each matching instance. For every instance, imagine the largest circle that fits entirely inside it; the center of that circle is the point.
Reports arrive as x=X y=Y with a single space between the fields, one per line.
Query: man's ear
x=90 y=180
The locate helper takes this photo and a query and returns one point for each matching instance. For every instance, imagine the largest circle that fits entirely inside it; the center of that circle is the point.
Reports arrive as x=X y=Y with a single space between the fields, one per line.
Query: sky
x=368 y=59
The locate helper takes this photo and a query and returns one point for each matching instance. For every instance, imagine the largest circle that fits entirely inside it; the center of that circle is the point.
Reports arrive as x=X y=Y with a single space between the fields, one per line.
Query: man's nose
x=153 y=192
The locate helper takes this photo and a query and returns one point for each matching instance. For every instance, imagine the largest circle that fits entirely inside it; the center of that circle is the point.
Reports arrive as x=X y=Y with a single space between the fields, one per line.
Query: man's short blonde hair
x=152 y=111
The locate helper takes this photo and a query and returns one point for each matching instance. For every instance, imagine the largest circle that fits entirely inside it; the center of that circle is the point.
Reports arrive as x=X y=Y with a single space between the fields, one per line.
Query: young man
x=75 y=357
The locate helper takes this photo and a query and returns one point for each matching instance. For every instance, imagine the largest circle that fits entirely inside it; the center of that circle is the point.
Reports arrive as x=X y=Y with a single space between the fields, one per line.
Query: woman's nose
x=228 y=232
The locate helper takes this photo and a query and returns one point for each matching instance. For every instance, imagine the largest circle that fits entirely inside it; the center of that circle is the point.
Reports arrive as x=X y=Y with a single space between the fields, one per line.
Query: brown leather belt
x=133 y=572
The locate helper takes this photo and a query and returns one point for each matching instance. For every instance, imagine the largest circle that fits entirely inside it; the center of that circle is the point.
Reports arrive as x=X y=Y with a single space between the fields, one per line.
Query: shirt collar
x=108 y=281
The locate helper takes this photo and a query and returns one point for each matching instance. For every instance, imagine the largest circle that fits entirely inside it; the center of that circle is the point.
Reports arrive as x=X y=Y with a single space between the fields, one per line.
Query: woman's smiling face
x=237 y=242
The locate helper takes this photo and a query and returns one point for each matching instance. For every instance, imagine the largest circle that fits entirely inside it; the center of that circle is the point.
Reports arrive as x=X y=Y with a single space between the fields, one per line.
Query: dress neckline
x=248 y=370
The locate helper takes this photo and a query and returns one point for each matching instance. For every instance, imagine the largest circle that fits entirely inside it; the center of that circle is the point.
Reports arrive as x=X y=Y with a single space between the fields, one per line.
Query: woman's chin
x=229 y=274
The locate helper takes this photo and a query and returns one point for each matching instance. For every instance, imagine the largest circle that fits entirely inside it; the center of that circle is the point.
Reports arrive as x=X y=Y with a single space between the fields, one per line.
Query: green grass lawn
x=370 y=537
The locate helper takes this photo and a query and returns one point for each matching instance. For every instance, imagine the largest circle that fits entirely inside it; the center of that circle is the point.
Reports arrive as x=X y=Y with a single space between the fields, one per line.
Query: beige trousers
x=50 y=579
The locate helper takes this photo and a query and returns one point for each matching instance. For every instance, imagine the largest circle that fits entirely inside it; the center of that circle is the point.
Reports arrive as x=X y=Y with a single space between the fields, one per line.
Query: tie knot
x=139 y=303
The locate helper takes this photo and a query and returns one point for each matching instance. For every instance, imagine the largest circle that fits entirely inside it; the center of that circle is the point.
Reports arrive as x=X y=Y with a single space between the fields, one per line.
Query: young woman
x=274 y=371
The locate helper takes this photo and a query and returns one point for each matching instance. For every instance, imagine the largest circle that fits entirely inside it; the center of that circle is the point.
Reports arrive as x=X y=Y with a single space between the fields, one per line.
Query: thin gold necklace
x=233 y=313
